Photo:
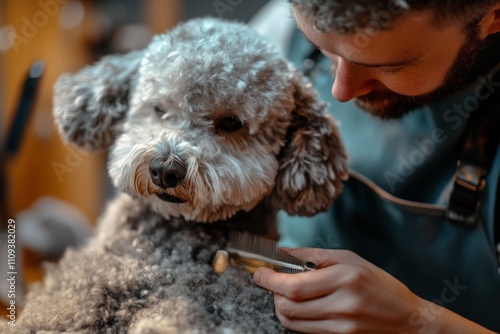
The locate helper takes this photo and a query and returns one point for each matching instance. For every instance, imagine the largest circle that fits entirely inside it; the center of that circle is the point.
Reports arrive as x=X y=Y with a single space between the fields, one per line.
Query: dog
x=209 y=129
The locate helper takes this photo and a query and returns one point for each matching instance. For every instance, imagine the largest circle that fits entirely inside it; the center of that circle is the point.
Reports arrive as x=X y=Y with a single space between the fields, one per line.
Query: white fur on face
x=198 y=76
x=223 y=175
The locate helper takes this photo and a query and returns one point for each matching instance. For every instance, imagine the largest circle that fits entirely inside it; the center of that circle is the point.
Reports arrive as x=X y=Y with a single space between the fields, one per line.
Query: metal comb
x=254 y=252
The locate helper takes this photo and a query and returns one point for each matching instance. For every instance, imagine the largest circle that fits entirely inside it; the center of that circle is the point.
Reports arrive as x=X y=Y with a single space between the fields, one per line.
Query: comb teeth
x=254 y=251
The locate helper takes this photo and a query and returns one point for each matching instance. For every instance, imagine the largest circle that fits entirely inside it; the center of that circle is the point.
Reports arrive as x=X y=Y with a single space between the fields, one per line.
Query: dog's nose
x=166 y=175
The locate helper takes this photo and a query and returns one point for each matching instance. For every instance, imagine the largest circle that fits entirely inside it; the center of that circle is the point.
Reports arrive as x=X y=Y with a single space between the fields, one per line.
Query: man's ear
x=313 y=162
x=491 y=23
x=90 y=104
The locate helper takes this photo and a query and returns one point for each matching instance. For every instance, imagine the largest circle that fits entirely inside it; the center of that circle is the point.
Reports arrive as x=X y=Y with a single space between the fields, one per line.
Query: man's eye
x=159 y=111
x=391 y=70
x=229 y=124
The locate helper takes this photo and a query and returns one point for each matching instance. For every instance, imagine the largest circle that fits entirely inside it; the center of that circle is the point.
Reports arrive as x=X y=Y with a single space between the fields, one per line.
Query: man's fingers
x=324 y=308
x=301 y=286
x=335 y=268
x=317 y=326
x=326 y=257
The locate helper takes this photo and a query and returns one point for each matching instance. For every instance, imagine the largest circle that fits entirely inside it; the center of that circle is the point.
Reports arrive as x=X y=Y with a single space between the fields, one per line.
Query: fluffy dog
x=208 y=129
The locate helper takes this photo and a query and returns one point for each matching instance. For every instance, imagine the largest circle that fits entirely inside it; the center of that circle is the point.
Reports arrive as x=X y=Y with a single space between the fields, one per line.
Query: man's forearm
x=435 y=319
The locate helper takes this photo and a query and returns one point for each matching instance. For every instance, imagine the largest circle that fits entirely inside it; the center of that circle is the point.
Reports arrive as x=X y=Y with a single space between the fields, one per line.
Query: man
x=414 y=81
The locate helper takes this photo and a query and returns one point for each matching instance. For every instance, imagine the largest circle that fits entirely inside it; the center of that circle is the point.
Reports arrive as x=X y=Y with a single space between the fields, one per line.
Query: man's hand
x=347 y=294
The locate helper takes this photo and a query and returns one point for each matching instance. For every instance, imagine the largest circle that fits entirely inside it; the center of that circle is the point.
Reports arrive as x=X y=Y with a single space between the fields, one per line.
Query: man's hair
x=349 y=16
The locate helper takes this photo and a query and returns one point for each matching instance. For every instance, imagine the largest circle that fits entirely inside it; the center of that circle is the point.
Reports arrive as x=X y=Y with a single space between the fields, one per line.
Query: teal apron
x=393 y=209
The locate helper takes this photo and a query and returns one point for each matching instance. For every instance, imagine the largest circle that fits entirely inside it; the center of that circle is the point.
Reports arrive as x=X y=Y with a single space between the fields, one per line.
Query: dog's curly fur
x=251 y=137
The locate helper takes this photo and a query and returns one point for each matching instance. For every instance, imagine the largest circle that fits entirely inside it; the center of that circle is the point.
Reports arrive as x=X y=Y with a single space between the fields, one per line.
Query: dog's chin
x=170 y=198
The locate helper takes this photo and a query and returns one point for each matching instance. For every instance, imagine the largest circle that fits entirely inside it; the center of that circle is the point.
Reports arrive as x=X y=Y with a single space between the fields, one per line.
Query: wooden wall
x=44 y=166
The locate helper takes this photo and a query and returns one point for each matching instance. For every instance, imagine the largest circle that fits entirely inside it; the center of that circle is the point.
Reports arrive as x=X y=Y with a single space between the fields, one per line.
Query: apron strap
x=475 y=161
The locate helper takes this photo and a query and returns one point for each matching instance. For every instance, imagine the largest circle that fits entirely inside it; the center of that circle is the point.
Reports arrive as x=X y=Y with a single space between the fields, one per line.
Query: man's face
x=391 y=72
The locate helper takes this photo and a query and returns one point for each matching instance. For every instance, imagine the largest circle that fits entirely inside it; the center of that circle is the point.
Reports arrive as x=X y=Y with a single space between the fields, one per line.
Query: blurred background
x=54 y=192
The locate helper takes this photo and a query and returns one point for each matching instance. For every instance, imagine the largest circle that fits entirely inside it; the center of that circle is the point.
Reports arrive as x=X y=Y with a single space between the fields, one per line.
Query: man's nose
x=351 y=81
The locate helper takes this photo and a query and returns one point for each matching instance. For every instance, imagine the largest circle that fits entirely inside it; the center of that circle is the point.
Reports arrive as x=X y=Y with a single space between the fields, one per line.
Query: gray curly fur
x=348 y=16
x=148 y=267
x=101 y=92
x=142 y=274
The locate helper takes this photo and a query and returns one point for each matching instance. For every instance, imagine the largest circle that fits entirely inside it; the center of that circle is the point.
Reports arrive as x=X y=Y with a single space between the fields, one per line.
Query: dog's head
x=208 y=120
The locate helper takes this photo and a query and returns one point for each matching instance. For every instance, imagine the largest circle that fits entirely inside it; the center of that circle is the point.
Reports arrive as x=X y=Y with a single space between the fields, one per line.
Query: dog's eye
x=159 y=111
x=229 y=124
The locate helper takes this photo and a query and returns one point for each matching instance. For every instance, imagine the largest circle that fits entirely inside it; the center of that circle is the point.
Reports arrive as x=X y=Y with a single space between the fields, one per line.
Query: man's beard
x=390 y=105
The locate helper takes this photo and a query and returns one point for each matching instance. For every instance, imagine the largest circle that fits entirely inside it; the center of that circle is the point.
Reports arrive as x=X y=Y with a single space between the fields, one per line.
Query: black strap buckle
x=465 y=199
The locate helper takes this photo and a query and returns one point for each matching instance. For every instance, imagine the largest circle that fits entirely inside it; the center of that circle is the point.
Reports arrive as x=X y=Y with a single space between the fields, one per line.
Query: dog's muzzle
x=167 y=174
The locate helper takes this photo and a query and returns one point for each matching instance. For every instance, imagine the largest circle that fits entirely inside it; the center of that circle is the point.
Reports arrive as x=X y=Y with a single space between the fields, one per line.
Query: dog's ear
x=89 y=105
x=313 y=162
